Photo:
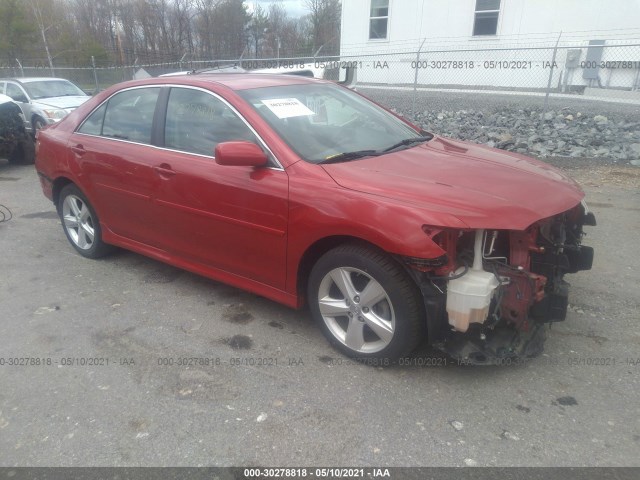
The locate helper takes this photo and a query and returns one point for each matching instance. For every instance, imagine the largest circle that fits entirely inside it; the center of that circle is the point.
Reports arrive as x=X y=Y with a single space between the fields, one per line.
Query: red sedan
x=303 y=191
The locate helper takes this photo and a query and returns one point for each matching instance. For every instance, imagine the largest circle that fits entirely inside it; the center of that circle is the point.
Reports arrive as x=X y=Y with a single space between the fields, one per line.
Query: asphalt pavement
x=126 y=361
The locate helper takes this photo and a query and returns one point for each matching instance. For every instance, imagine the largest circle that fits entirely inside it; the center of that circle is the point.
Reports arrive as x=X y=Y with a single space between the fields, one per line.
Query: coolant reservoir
x=469 y=297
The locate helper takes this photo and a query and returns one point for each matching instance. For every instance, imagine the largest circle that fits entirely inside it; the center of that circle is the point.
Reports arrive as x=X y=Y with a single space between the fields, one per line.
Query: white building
x=494 y=43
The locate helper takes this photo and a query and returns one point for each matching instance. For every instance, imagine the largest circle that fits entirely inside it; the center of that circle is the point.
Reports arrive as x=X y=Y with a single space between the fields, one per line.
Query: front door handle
x=78 y=149
x=164 y=170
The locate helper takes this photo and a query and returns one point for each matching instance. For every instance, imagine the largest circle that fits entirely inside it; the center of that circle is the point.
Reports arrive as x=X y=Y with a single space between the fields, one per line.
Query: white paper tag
x=287 y=107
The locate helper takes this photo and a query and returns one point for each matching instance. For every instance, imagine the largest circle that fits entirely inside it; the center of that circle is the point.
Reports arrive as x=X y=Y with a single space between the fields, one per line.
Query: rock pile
x=562 y=133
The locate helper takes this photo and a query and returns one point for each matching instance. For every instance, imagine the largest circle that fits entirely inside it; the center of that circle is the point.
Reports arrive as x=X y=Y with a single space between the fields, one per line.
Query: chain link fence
x=560 y=69
x=546 y=100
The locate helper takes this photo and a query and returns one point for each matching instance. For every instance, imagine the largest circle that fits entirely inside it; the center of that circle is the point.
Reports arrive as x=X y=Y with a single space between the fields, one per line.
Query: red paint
x=250 y=226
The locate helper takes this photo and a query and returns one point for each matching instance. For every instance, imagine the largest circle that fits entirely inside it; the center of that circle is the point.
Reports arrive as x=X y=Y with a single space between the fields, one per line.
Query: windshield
x=322 y=121
x=52 y=88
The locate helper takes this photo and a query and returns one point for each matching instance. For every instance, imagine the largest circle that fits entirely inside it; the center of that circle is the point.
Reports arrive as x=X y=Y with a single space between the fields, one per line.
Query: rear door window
x=127 y=115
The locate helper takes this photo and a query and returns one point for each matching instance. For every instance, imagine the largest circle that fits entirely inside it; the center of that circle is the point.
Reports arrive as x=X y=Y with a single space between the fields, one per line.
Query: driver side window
x=197 y=121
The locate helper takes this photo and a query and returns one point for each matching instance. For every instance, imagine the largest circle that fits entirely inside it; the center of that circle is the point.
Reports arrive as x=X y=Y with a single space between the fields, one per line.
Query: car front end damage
x=491 y=293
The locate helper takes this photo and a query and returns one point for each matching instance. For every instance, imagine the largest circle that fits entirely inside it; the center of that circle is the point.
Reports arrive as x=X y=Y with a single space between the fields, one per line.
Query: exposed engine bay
x=490 y=296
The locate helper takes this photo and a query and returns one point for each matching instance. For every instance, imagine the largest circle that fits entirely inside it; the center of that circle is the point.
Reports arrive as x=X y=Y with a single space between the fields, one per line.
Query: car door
x=113 y=151
x=232 y=218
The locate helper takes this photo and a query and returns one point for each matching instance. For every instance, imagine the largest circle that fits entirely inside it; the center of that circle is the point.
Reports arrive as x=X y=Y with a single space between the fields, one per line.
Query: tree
x=325 y=17
x=17 y=32
x=257 y=25
x=154 y=31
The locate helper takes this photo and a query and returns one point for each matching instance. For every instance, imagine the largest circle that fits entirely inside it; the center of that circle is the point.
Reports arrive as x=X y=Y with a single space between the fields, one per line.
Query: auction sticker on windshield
x=287 y=107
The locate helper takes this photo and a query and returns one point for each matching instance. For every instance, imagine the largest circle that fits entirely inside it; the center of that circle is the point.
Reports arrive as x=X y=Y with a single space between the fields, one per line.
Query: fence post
x=95 y=73
x=553 y=61
x=415 y=81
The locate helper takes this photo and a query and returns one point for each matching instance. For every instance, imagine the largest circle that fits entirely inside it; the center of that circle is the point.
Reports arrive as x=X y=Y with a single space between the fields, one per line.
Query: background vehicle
x=15 y=143
x=43 y=100
x=319 y=70
x=301 y=190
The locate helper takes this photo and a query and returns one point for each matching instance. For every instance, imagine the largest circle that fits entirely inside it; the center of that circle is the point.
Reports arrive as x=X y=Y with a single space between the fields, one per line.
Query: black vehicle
x=16 y=144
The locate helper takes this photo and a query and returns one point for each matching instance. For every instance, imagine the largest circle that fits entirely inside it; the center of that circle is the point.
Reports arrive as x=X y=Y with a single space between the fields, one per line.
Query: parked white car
x=43 y=100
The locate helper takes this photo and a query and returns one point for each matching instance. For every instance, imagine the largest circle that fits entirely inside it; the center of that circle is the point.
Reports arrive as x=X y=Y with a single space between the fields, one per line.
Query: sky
x=295 y=8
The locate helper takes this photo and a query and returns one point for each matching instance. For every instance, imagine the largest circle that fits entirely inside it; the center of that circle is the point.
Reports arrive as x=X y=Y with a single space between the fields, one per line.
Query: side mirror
x=240 y=154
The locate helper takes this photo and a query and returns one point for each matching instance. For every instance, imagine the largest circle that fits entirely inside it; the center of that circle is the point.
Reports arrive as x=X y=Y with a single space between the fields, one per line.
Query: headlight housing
x=55 y=114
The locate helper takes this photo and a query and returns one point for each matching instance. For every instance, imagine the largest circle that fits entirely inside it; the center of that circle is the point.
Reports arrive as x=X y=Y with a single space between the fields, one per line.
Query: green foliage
x=158 y=31
x=17 y=32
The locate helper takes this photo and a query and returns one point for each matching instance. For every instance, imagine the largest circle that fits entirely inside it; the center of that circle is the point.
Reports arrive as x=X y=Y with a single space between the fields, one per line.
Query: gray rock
x=529 y=131
x=578 y=151
x=458 y=426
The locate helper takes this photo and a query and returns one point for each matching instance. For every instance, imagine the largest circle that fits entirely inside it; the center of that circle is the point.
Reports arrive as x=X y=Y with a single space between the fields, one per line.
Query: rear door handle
x=164 y=170
x=78 y=149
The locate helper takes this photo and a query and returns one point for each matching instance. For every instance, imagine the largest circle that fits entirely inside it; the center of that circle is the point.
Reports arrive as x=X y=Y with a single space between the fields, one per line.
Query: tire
x=365 y=303
x=38 y=124
x=24 y=153
x=80 y=223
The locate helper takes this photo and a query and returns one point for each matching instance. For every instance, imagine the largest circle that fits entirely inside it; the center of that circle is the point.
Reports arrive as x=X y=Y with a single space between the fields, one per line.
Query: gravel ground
x=313 y=407
x=403 y=101
x=513 y=122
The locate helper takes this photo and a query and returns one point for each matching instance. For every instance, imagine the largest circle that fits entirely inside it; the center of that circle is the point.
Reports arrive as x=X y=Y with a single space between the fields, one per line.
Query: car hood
x=481 y=186
x=62 y=102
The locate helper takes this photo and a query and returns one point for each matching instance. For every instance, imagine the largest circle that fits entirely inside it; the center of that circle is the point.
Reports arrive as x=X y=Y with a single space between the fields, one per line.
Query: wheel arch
x=36 y=116
x=316 y=250
x=58 y=184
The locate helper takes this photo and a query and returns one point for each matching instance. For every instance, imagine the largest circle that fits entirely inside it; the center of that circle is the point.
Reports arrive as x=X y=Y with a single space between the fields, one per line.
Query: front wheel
x=365 y=303
x=80 y=223
x=38 y=124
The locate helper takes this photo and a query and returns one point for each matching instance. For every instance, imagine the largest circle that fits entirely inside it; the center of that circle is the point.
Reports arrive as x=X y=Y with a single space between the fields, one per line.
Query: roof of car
x=31 y=79
x=243 y=81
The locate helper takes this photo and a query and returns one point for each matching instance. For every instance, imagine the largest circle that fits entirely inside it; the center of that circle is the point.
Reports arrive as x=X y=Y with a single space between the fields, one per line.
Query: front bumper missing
x=498 y=346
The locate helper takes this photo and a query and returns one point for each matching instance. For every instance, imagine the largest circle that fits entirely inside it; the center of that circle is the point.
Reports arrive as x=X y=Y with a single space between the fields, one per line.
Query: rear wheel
x=81 y=224
x=365 y=303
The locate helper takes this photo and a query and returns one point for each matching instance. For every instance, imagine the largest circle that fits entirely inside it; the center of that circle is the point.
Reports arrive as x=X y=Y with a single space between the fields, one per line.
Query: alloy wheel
x=356 y=309
x=78 y=222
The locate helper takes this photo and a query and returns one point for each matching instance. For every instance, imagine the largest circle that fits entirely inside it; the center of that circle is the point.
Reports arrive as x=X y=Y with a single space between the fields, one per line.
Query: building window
x=379 y=19
x=486 y=17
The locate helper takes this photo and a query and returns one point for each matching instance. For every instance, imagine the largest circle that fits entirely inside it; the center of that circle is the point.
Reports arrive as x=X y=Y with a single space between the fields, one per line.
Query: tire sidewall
x=97 y=249
x=402 y=335
x=41 y=122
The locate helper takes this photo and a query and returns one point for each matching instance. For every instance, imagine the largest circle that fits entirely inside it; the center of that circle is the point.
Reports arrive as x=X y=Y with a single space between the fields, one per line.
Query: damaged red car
x=305 y=192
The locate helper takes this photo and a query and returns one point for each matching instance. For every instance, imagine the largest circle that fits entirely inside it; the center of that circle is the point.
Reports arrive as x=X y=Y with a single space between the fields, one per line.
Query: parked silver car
x=43 y=100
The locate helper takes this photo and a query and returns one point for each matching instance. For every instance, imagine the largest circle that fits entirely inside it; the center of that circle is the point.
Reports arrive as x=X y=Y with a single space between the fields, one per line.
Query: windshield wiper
x=408 y=141
x=346 y=156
